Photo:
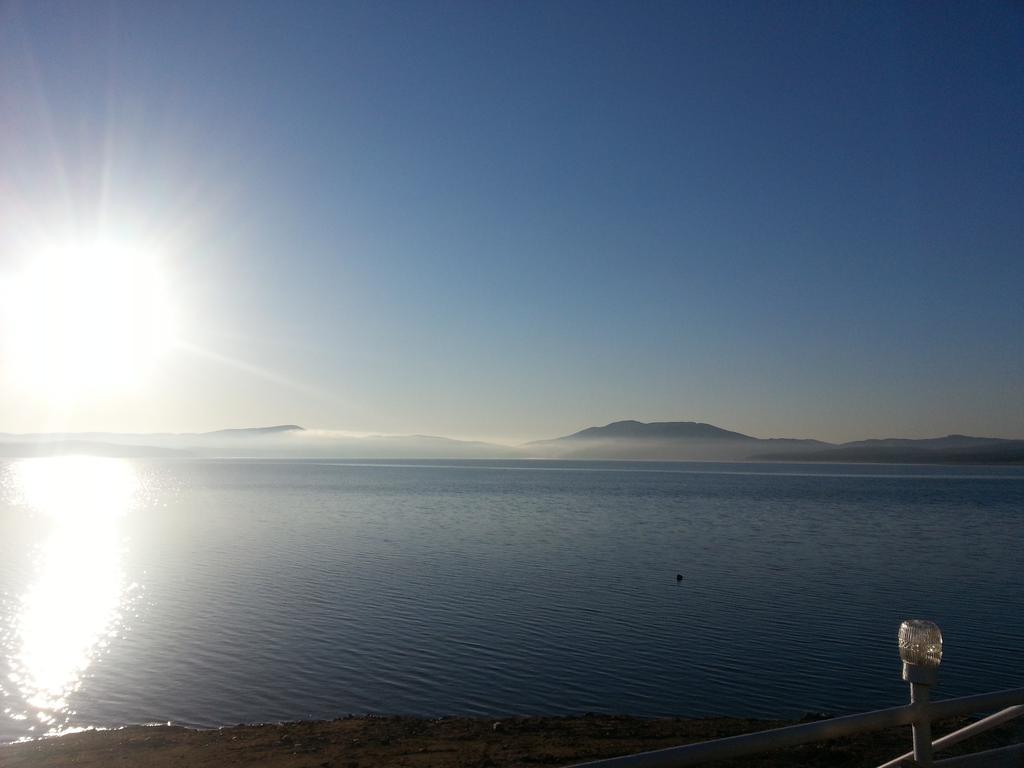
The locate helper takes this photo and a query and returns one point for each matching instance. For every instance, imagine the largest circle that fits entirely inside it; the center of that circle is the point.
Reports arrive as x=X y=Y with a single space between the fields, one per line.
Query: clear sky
x=512 y=220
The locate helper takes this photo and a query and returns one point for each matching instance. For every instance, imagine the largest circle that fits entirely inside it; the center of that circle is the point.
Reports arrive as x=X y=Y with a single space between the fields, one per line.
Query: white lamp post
x=921 y=651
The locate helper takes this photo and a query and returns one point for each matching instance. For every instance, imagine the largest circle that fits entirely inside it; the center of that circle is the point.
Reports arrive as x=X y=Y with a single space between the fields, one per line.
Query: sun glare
x=73 y=605
x=85 y=320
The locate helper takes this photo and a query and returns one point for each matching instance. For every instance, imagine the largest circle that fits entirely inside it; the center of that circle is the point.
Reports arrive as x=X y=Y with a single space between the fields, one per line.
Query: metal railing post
x=979 y=726
x=919 y=695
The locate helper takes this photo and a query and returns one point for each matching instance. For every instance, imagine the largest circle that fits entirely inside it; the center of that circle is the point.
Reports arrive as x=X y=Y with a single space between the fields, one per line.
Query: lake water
x=213 y=592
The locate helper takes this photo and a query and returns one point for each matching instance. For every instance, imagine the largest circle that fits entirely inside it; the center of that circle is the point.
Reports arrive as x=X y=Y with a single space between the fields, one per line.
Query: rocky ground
x=372 y=742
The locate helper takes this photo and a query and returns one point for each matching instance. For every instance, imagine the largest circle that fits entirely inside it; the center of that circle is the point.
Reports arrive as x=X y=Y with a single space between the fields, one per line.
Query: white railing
x=920 y=714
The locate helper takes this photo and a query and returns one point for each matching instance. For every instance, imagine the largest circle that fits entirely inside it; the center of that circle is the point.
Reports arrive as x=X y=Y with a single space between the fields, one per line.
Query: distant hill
x=281 y=441
x=254 y=431
x=83 y=448
x=137 y=436
x=662 y=441
x=947 y=442
x=954 y=449
x=658 y=430
x=697 y=441
x=129 y=445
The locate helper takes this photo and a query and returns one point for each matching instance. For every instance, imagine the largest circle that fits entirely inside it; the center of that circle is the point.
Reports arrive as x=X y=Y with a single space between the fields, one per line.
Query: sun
x=84 y=320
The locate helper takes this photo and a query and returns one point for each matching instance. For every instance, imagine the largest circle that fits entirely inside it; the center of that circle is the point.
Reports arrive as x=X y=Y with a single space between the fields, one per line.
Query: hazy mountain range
x=686 y=440
x=621 y=440
x=283 y=441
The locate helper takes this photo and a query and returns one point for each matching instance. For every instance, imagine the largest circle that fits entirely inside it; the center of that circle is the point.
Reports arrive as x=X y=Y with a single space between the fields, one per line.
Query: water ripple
x=286 y=590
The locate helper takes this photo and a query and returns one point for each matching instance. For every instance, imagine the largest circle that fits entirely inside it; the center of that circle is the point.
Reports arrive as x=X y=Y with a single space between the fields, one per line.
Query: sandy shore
x=444 y=743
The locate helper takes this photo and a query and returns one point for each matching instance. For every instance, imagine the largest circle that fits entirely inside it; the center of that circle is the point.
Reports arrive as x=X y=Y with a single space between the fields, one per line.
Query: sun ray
x=255 y=370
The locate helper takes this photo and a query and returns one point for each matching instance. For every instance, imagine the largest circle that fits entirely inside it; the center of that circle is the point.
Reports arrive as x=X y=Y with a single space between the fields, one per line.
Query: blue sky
x=513 y=220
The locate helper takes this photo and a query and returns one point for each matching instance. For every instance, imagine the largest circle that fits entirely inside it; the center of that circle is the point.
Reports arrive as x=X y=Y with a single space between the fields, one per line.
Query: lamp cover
x=920 y=643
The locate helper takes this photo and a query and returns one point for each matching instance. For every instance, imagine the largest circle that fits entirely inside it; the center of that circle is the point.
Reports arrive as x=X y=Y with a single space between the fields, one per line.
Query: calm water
x=216 y=592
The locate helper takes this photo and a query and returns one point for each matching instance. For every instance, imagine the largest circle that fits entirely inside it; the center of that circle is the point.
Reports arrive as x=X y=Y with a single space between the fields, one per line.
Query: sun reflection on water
x=72 y=607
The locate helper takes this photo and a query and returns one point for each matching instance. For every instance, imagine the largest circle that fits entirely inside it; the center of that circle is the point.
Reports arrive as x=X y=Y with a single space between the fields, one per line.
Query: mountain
x=253 y=431
x=620 y=440
x=127 y=445
x=697 y=441
x=952 y=449
x=658 y=430
x=281 y=441
x=135 y=437
x=41 y=448
x=662 y=441
x=947 y=442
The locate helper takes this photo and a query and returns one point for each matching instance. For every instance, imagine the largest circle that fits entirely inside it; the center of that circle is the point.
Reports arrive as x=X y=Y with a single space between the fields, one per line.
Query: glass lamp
x=921 y=651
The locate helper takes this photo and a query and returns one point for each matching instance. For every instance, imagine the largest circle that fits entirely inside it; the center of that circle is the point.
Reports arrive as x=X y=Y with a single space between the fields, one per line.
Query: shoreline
x=447 y=742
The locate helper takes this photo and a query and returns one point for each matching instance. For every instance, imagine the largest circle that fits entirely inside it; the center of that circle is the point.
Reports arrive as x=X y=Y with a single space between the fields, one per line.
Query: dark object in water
x=679 y=577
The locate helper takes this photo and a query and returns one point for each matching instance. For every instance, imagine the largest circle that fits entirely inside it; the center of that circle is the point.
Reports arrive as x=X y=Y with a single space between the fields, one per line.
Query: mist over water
x=213 y=592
